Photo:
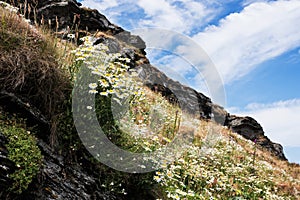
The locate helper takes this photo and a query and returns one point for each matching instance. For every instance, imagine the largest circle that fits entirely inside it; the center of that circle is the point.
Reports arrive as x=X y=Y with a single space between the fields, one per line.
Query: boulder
x=250 y=129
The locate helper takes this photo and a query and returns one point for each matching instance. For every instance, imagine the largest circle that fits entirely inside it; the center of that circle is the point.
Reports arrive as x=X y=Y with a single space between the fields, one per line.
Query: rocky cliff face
x=58 y=178
x=64 y=15
x=6 y=166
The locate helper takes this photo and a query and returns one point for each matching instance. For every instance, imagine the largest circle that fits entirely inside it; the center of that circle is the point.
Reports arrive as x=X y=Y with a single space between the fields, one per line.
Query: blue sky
x=254 y=45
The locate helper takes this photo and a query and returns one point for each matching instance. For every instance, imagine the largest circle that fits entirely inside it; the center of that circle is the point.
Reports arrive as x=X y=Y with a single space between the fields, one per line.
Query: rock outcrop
x=67 y=16
x=250 y=129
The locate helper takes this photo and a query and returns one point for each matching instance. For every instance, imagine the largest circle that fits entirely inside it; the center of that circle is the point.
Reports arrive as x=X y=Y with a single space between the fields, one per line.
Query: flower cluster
x=225 y=172
x=115 y=77
x=150 y=117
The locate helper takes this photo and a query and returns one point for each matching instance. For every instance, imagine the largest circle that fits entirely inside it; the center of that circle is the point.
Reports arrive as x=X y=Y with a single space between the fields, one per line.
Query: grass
x=32 y=65
x=217 y=164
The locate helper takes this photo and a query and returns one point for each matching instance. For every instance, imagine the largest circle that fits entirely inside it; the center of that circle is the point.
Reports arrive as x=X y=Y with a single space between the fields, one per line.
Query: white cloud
x=116 y=11
x=258 y=33
x=280 y=120
x=182 y=16
x=100 y=5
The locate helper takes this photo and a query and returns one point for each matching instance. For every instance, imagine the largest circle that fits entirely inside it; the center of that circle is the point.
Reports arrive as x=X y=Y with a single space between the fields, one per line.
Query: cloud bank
x=261 y=31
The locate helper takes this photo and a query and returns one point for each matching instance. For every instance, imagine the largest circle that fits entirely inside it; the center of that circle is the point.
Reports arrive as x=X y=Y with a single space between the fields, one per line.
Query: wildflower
x=169 y=174
x=103 y=93
x=111 y=91
x=93 y=85
x=93 y=91
x=71 y=36
x=123 y=191
x=178 y=191
x=191 y=193
x=89 y=107
x=176 y=196
x=142 y=166
x=164 y=165
x=158 y=173
x=104 y=83
x=80 y=58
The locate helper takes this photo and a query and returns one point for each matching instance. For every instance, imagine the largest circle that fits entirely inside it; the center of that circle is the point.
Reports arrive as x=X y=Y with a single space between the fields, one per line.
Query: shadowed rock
x=7 y=167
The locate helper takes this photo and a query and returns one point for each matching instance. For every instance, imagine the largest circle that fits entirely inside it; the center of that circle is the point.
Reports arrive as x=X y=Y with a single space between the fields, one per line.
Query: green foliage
x=24 y=152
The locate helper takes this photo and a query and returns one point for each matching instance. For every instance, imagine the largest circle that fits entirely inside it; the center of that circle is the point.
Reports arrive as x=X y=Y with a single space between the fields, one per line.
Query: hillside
x=51 y=149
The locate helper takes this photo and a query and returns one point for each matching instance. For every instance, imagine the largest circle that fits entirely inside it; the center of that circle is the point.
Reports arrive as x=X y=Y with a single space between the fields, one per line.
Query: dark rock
x=68 y=15
x=135 y=41
x=187 y=98
x=219 y=114
x=112 y=44
x=58 y=179
x=250 y=129
x=17 y=105
x=61 y=180
x=7 y=167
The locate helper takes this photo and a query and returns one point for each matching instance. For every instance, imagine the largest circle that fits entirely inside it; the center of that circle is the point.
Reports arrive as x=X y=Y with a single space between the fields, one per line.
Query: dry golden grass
x=32 y=65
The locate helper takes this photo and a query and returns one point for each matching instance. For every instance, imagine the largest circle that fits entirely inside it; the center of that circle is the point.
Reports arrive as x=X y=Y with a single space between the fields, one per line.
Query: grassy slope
x=225 y=167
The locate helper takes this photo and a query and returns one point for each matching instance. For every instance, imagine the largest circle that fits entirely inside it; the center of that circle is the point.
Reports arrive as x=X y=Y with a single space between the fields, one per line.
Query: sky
x=253 y=44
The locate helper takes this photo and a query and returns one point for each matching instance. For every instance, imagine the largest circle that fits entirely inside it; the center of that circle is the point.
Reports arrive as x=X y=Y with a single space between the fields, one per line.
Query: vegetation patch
x=23 y=151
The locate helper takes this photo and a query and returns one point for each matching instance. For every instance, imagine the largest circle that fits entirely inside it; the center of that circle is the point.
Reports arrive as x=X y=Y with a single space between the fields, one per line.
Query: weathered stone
x=65 y=16
x=62 y=180
x=58 y=179
x=17 y=105
x=252 y=130
x=7 y=167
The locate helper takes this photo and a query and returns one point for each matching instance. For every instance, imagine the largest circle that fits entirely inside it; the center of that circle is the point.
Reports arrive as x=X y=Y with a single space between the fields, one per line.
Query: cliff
x=66 y=174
